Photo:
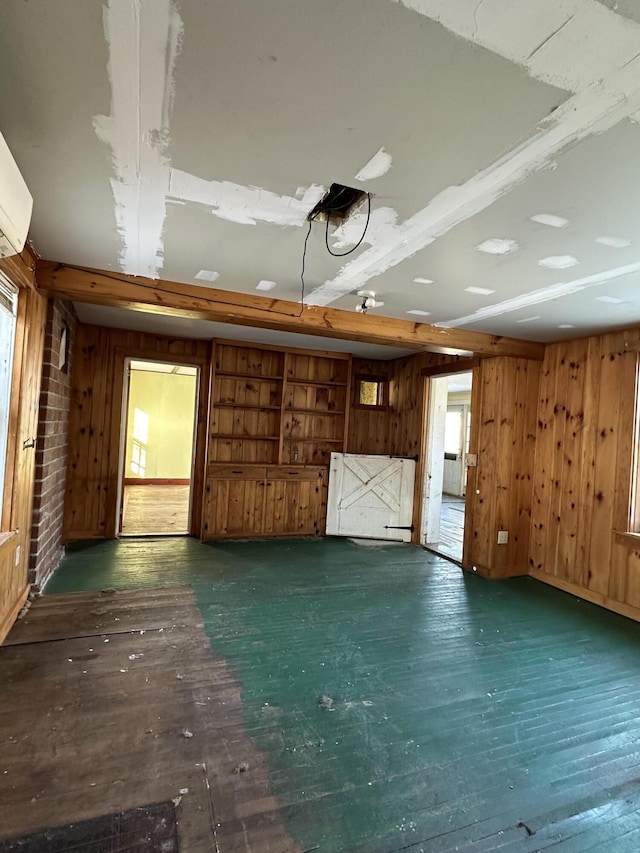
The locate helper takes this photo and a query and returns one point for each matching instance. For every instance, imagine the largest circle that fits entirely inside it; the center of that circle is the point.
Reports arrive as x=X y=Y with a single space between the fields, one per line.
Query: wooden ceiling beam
x=101 y=287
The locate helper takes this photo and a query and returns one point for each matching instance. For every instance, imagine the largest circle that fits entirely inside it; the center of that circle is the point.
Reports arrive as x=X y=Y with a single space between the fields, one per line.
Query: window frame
x=383 y=392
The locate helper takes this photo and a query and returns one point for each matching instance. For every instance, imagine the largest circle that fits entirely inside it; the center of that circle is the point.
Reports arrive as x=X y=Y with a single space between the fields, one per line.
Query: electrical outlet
x=503 y=537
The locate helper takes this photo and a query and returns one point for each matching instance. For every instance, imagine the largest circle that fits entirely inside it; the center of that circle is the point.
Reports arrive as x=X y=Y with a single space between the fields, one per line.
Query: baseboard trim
x=587 y=595
x=156 y=481
x=496 y=574
x=7 y=623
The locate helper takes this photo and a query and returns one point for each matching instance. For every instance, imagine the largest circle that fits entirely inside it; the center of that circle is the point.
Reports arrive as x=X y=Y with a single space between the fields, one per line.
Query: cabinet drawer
x=285 y=472
x=237 y=472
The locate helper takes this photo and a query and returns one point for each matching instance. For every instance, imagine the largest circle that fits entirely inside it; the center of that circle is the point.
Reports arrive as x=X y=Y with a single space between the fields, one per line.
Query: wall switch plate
x=503 y=537
x=471 y=460
x=18 y=555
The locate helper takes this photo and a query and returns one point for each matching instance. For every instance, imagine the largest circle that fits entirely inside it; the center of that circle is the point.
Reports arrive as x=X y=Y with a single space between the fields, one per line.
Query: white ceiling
x=169 y=137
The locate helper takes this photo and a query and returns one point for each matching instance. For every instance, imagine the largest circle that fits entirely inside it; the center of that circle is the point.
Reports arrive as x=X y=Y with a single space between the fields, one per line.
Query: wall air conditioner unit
x=16 y=205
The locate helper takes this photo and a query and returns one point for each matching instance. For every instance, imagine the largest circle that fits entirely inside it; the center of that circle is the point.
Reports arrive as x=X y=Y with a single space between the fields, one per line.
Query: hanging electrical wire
x=366 y=226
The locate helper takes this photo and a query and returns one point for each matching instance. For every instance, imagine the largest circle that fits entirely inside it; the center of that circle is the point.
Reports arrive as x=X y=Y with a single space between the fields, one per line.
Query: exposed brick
x=51 y=448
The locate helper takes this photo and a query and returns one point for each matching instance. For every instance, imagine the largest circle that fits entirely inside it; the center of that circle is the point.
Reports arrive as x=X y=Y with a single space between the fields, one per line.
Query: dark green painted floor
x=466 y=713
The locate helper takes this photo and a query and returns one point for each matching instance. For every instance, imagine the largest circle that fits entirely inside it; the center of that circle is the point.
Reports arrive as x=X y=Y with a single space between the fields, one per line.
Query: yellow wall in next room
x=167 y=404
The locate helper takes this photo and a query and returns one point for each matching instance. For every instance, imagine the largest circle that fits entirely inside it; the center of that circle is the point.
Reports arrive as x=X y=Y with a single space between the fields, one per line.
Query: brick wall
x=51 y=451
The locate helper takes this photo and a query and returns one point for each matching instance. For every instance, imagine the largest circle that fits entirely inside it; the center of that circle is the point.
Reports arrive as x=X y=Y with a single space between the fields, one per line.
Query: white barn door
x=370 y=496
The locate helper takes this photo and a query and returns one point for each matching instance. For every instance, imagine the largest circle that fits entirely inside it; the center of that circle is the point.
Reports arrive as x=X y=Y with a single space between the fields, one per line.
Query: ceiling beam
x=101 y=287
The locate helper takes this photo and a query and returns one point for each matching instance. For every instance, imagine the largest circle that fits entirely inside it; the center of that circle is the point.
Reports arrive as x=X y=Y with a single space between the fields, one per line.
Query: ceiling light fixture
x=368 y=301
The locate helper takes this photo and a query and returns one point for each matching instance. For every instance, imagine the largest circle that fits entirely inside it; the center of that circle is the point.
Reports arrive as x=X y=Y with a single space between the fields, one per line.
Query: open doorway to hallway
x=447 y=446
x=157 y=448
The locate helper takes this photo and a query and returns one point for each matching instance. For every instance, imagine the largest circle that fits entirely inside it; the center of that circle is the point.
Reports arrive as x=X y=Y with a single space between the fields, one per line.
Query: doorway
x=157 y=448
x=447 y=448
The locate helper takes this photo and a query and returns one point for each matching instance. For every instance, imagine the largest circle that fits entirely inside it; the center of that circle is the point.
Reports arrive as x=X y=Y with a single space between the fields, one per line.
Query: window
x=140 y=439
x=372 y=391
x=8 y=305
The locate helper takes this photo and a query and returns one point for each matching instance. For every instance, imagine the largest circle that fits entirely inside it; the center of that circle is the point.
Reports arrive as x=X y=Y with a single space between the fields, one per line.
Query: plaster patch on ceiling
x=498 y=246
x=550 y=219
x=381 y=228
x=529 y=319
x=266 y=285
x=378 y=166
x=207 y=275
x=610 y=300
x=559 y=262
x=593 y=111
x=419 y=313
x=544 y=294
x=566 y=326
x=571 y=44
x=420 y=280
x=481 y=291
x=144 y=38
x=244 y=205
x=614 y=242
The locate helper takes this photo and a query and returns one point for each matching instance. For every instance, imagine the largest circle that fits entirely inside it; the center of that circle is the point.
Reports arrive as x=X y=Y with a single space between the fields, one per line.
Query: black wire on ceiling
x=353 y=248
x=304 y=258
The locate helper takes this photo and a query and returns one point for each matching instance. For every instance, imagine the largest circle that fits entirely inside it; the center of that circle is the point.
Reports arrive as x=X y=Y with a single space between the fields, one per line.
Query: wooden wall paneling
x=505 y=458
x=588 y=439
x=528 y=406
x=624 y=465
x=470 y=527
x=368 y=427
x=95 y=419
x=571 y=417
x=18 y=372
x=20 y=462
x=557 y=421
x=544 y=467
x=484 y=509
x=602 y=519
x=500 y=488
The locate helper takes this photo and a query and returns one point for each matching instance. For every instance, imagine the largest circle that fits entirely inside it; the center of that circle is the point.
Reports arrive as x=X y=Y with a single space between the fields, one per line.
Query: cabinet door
x=233 y=508
x=292 y=503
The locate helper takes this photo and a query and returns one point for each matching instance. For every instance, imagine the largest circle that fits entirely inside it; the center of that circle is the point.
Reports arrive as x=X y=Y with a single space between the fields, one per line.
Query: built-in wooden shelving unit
x=276 y=416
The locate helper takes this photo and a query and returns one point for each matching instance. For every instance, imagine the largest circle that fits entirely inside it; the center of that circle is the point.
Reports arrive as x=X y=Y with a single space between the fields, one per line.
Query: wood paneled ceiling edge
x=156 y=296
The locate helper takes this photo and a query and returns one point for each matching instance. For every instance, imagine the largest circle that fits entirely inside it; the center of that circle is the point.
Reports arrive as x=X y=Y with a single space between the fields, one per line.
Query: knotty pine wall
x=23 y=423
x=582 y=483
x=368 y=426
x=503 y=411
x=95 y=420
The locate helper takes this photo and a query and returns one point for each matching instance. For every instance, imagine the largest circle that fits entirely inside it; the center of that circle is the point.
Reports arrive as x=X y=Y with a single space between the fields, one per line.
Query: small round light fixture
x=368 y=301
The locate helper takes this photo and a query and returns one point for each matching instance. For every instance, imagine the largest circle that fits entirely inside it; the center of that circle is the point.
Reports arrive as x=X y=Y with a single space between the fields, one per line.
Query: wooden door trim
x=121 y=354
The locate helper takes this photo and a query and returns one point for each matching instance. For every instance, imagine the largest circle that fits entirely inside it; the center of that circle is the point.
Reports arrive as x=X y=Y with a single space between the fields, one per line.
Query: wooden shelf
x=246 y=406
x=315 y=440
x=316 y=382
x=244 y=437
x=234 y=375
x=316 y=411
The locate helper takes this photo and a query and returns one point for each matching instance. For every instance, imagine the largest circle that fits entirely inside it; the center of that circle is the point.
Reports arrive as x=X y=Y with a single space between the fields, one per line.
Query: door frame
x=124 y=426
x=118 y=430
x=474 y=367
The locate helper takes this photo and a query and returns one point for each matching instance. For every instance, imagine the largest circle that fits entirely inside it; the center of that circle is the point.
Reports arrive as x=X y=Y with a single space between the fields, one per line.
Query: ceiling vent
x=337 y=204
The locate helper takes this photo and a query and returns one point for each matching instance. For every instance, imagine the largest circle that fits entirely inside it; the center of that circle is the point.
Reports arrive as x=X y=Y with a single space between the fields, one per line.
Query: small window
x=372 y=391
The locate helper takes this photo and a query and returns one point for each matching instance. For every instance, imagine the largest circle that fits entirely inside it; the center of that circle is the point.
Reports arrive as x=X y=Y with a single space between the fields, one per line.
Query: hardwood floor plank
x=460 y=707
